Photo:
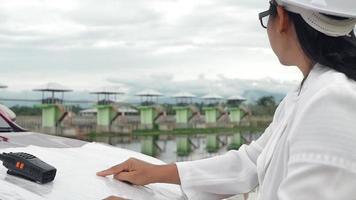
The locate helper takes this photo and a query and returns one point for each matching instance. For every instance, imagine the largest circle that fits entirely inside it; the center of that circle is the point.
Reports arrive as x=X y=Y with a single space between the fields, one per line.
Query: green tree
x=26 y=110
x=264 y=106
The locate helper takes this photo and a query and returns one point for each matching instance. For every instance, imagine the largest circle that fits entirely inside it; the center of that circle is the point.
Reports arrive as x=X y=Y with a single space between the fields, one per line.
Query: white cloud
x=86 y=43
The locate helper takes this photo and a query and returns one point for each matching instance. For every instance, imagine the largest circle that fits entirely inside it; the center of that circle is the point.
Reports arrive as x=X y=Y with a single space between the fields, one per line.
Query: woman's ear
x=282 y=20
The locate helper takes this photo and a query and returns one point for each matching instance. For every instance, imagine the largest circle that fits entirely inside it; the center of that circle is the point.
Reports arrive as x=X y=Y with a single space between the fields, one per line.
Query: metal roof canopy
x=52 y=88
x=107 y=92
x=212 y=98
x=237 y=97
x=149 y=93
x=235 y=101
x=111 y=90
x=147 y=96
x=184 y=97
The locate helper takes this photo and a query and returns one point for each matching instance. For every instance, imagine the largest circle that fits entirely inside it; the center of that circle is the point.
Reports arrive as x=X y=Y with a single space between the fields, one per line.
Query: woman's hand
x=142 y=173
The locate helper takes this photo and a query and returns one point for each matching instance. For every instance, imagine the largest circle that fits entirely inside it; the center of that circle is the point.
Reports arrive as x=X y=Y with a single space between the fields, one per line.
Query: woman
x=309 y=150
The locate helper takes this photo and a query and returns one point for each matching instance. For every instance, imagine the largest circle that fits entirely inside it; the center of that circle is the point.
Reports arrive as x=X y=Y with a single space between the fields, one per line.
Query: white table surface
x=76 y=179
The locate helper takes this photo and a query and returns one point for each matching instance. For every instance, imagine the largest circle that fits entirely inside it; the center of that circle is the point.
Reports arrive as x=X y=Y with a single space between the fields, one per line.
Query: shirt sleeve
x=322 y=153
x=318 y=181
x=232 y=173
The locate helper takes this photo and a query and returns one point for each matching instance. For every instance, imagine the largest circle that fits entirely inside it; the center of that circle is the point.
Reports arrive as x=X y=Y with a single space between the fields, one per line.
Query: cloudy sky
x=168 y=45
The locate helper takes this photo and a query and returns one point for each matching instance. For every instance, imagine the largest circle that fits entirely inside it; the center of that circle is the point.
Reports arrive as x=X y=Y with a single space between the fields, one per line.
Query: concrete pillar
x=212 y=143
x=147 y=115
x=236 y=141
x=104 y=117
x=235 y=115
x=148 y=145
x=183 y=146
x=50 y=115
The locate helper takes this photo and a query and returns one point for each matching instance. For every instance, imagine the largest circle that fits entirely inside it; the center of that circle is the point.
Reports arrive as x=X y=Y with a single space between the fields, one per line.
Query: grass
x=200 y=131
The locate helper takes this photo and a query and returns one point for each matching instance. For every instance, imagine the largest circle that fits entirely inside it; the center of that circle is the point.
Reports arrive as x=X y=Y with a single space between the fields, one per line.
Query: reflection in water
x=169 y=153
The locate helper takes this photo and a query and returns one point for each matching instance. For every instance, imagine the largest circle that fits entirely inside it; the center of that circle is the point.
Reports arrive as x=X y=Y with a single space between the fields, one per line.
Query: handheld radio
x=27 y=166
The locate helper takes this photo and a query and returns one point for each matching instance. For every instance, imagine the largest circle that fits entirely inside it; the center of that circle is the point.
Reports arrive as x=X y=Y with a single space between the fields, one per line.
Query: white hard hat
x=313 y=12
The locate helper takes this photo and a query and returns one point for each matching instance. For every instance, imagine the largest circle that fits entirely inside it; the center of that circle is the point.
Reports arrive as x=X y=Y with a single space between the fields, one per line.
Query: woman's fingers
x=134 y=171
x=124 y=176
x=113 y=170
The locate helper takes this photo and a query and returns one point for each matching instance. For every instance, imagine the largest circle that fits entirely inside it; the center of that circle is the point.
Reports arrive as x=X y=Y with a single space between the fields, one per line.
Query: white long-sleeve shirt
x=308 y=152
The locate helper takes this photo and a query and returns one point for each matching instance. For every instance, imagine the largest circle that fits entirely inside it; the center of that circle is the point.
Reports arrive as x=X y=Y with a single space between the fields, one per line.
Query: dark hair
x=338 y=53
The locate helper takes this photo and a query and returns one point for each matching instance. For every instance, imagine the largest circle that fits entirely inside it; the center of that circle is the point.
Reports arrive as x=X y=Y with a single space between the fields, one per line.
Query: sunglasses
x=264 y=16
